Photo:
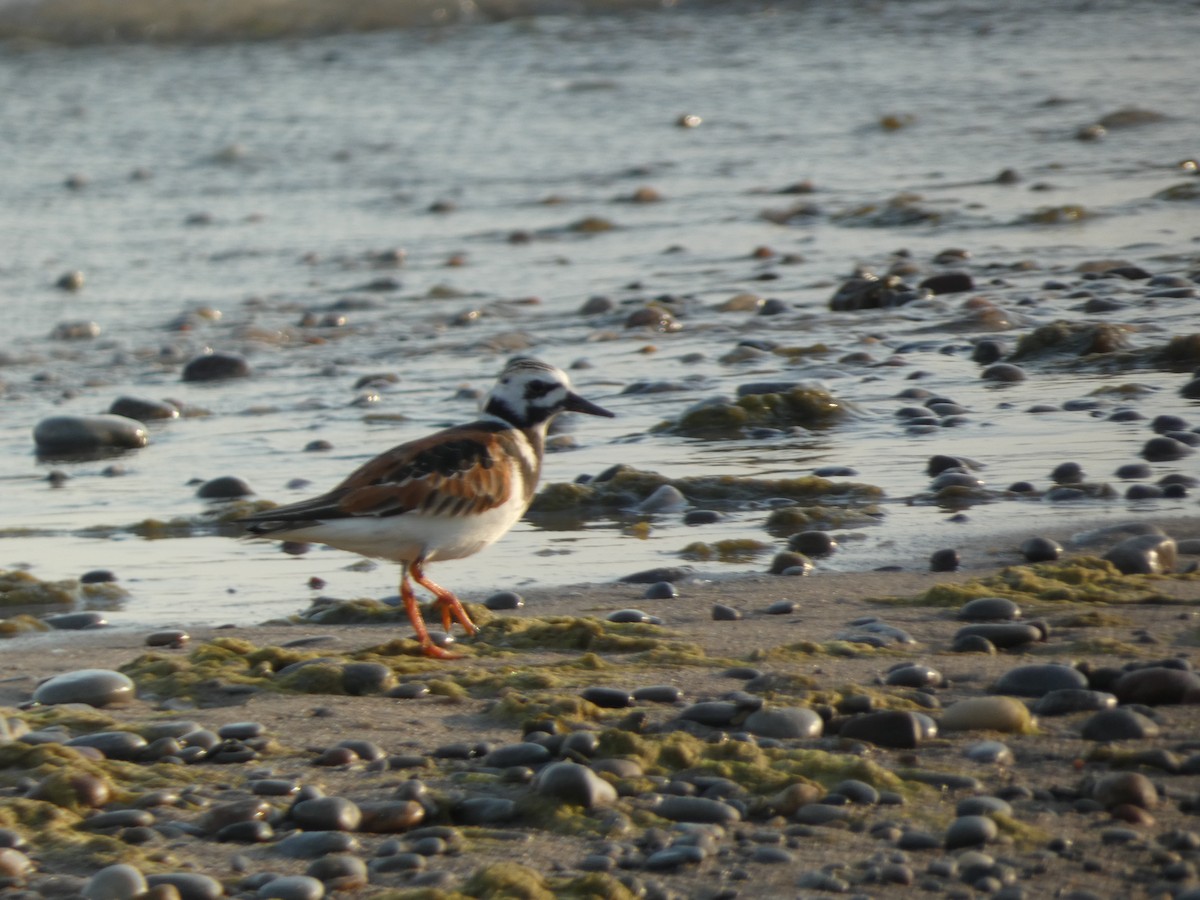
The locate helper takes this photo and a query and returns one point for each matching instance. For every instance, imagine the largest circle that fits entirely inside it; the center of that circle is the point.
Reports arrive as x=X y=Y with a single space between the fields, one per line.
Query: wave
x=91 y=22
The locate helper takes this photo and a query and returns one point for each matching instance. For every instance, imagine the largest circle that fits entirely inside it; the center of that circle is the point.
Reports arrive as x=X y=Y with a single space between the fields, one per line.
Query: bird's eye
x=538 y=389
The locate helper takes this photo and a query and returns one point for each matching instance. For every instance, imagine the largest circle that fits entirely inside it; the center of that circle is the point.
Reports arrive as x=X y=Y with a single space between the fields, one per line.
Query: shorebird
x=444 y=496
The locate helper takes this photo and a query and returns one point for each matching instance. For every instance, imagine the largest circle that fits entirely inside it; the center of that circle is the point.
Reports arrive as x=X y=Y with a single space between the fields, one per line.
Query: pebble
x=76 y=621
x=988 y=609
x=694 y=809
x=1120 y=788
x=812 y=543
x=889 y=728
x=723 y=613
x=340 y=872
x=68 y=435
x=781 y=608
x=661 y=590
x=123 y=745
x=970 y=831
x=1158 y=685
x=1065 y=701
x=292 y=887
x=485 y=811
x=633 y=616
x=95 y=687
x=525 y=753
x=986 y=714
x=1039 y=680
x=224 y=487
x=143 y=410
x=784 y=723
x=607 y=697
x=1041 y=549
x=913 y=675
x=216 y=367
x=658 y=693
x=389 y=816
x=946 y=560
x=314 y=844
x=574 y=784
x=504 y=600
x=116 y=882
x=1118 y=725
x=1004 y=636
x=191 y=886
x=1145 y=554
x=1165 y=449
x=991 y=753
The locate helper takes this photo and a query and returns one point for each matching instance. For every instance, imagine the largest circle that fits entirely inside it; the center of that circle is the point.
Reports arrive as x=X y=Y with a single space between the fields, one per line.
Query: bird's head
x=530 y=392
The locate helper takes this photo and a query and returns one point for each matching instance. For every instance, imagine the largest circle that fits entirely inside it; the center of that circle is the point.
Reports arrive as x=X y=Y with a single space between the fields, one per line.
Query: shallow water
x=262 y=179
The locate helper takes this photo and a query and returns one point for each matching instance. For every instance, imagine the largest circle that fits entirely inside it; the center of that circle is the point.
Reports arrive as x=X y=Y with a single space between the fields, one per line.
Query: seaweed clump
x=1072 y=339
x=802 y=406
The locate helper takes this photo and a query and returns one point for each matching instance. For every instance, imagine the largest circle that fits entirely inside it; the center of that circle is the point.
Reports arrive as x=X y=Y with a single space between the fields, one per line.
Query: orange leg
x=452 y=608
x=428 y=647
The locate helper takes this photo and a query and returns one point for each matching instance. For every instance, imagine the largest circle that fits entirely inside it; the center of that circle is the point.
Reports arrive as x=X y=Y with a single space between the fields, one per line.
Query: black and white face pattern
x=530 y=392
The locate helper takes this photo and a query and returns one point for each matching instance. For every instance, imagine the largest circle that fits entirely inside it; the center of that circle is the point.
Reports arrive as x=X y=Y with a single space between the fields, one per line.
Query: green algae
x=518 y=707
x=570 y=633
x=802 y=406
x=787 y=520
x=1181 y=351
x=22 y=589
x=22 y=624
x=728 y=551
x=801 y=650
x=1084 y=579
x=508 y=879
x=1071 y=338
x=627 y=486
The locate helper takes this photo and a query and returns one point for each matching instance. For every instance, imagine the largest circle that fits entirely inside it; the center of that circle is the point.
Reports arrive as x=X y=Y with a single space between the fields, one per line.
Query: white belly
x=411 y=536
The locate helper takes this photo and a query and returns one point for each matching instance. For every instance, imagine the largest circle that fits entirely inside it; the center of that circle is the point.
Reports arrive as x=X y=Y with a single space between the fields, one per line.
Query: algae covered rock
x=803 y=406
x=1072 y=339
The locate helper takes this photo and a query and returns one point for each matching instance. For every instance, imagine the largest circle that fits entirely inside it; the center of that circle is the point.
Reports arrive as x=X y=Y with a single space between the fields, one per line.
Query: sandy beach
x=1057 y=833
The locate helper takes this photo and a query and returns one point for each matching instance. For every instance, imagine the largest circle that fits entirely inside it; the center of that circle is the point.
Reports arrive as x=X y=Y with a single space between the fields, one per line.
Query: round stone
x=327 y=814
x=1144 y=554
x=784 y=723
x=1158 y=685
x=504 y=600
x=95 y=687
x=696 y=809
x=661 y=590
x=1003 y=635
x=989 y=609
x=76 y=621
x=68 y=435
x=117 y=882
x=123 y=745
x=889 y=728
x=723 y=613
x=314 y=844
x=991 y=753
x=1041 y=549
x=1165 y=449
x=607 y=697
x=1118 y=725
x=292 y=887
x=1066 y=701
x=389 y=816
x=224 y=487
x=360 y=679
x=525 y=753
x=658 y=693
x=1038 y=680
x=913 y=675
x=143 y=410
x=216 y=367
x=1120 y=788
x=971 y=831
x=574 y=784
x=946 y=560
x=485 y=811
x=190 y=885
x=812 y=543
x=1004 y=714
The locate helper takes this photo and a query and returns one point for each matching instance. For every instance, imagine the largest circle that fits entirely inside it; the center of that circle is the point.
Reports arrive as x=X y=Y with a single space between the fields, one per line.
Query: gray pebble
x=635 y=616
x=989 y=609
x=661 y=590
x=658 y=693
x=1120 y=788
x=69 y=435
x=820 y=814
x=339 y=871
x=695 y=809
x=970 y=831
x=117 y=882
x=784 y=723
x=1003 y=635
x=503 y=600
x=781 y=608
x=812 y=543
x=95 y=687
x=889 y=728
x=946 y=560
x=1158 y=685
x=76 y=621
x=607 y=697
x=191 y=886
x=913 y=675
x=313 y=844
x=574 y=784
x=991 y=753
x=485 y=811
x=673 y=857
x=224 y=487
x=1064 y=702
x=1146 y=554
x=1039 y=680
x=1118 y=725
x=522 y=754
x=723 y=613
x=292 y=887
x=714 y=713
x=1041 y=549
x=982 y=806
x=113 y=744
x=360 y=679
x=215 y=367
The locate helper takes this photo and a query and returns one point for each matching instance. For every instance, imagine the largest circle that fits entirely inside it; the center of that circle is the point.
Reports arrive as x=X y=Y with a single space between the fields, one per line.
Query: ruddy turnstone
x=444 y=496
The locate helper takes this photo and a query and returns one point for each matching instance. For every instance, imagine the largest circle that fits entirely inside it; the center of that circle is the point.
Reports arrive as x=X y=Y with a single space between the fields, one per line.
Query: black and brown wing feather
x=455 y=472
